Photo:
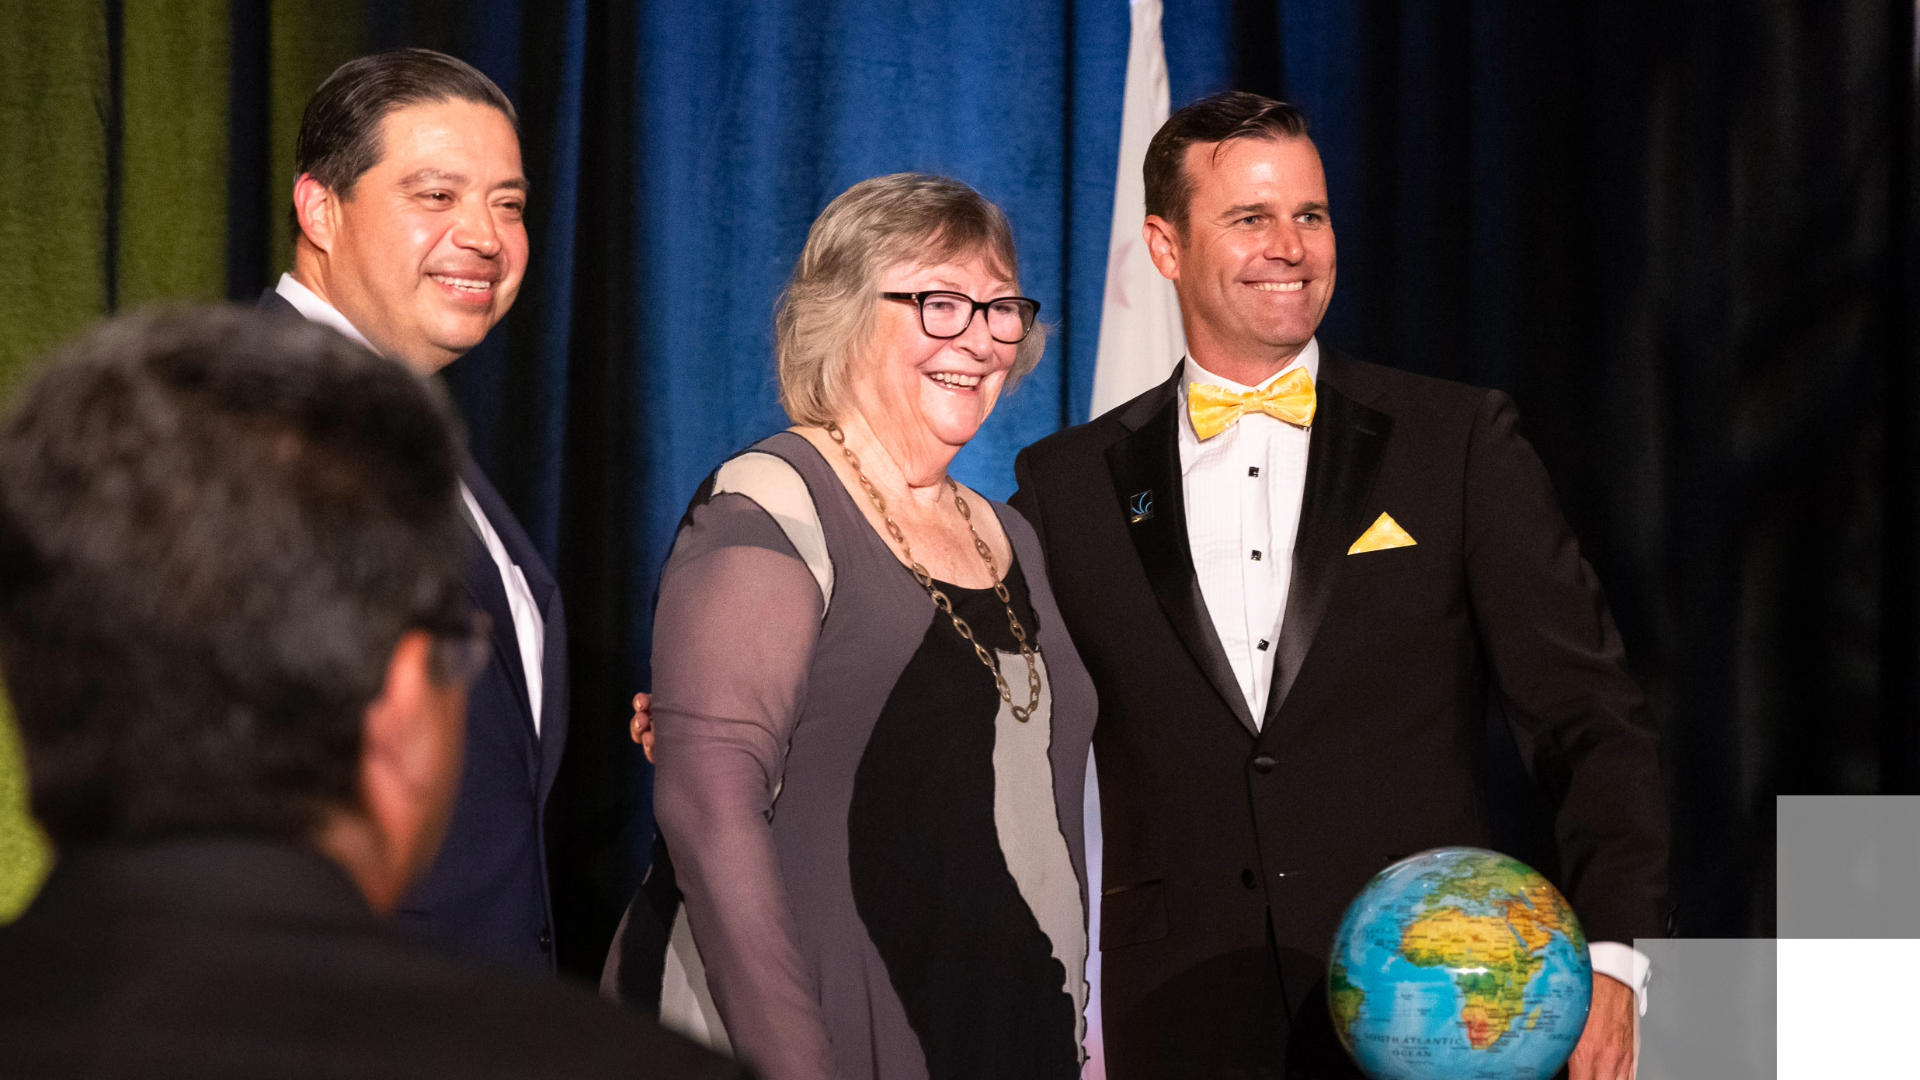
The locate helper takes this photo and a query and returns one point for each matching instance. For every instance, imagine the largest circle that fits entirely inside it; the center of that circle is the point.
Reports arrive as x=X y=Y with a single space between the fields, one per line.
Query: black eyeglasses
x=948 y=314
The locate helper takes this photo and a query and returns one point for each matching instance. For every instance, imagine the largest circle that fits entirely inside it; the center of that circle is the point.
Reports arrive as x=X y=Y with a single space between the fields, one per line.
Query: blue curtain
x=1678 y=233
x=679 y=154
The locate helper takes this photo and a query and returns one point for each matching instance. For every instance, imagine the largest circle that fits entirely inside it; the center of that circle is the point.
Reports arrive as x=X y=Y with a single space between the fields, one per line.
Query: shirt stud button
x=1253 y=470
x=1256 y=554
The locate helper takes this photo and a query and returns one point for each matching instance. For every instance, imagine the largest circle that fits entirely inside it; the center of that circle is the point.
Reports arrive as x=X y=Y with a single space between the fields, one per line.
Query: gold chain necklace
x=940 y=598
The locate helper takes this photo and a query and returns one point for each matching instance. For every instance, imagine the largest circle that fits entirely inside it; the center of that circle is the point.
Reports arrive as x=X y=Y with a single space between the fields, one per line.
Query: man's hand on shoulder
x=1609 y=1046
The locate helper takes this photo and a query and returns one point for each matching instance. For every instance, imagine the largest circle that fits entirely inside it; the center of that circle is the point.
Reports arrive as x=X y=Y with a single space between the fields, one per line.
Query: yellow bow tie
x=1214 y=409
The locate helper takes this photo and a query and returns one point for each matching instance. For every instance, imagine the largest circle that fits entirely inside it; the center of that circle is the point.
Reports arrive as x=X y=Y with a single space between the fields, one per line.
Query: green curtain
x=53 y=225
x=53 y=120
x=24 y=855
x=115 y=114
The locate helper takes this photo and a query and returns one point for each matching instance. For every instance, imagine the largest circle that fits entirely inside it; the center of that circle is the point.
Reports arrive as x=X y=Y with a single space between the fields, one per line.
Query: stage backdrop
x=1678 y=233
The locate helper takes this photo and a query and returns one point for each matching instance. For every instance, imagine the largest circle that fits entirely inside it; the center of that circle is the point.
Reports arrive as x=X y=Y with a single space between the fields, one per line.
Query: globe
x=1459 y=963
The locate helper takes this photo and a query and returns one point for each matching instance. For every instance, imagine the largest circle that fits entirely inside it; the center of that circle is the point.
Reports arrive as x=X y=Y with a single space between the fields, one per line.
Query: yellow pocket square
x=1384 y=533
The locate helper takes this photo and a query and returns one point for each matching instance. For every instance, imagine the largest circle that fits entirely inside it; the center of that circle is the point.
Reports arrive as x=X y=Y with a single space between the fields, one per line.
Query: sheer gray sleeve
x=734 y=634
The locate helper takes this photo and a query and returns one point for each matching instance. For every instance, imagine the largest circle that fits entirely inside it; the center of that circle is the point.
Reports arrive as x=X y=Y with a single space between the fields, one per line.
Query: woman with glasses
x=870 y=728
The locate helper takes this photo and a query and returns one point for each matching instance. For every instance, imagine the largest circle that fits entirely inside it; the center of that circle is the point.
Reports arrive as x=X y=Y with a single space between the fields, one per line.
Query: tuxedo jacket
x=1232 y=849
x=231 y=957
x=487 y=891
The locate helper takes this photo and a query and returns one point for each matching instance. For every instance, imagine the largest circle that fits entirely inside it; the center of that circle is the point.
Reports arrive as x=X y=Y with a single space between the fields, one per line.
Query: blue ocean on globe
x=1459 y=964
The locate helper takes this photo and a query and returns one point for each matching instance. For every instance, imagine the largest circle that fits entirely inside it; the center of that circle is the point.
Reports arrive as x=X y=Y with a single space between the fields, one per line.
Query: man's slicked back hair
x=1220 y=118
x=215 y=526
x=339 y=136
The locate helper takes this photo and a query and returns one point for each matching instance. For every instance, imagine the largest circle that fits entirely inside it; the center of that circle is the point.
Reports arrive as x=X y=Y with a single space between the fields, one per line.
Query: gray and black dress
x=882 y=868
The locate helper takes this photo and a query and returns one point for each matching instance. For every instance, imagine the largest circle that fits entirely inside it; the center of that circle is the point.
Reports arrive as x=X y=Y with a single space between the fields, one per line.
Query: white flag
x=1140 y=335
x=1140 y=339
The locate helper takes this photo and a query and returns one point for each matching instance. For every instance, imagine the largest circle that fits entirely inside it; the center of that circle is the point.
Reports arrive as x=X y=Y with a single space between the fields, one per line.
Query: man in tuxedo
x=232 y=624
x=409 y=238
x=1297 y=579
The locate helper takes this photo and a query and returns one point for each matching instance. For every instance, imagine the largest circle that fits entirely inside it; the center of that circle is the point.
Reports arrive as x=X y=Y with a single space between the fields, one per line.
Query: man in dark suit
x=233 y=628
x=1296 y=579
x=409 y=238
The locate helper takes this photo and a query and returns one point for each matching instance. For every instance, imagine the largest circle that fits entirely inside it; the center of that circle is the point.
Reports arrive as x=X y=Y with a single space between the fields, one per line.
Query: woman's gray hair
x=825 y=318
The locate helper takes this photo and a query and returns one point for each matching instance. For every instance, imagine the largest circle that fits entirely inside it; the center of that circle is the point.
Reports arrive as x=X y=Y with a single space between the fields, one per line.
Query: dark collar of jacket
x=273 y=303
x=222 y=877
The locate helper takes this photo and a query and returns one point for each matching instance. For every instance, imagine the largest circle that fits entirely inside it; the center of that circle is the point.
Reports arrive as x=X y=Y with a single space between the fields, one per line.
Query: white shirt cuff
x=1622 y=962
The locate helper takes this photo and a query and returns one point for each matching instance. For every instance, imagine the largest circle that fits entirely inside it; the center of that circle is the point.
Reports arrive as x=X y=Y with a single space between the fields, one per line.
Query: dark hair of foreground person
x=231 y=623
x=214 y=529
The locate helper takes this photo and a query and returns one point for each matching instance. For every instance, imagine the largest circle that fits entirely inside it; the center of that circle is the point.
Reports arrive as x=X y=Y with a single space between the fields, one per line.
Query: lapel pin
x=1140 y=507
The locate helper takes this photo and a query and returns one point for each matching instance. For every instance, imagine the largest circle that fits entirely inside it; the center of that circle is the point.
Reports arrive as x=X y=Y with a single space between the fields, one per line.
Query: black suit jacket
x=230 y=957
x=1231 y=852
x=487 y=892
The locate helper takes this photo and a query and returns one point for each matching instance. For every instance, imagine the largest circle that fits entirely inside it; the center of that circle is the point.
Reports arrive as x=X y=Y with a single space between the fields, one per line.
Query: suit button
x=546 y=939
x=1263 y=764
x=1246 y=878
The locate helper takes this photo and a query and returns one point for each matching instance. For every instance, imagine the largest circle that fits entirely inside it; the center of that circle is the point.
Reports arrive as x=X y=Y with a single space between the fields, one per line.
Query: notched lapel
x=1343 y=457
x=1146 y=477
x=480 y=576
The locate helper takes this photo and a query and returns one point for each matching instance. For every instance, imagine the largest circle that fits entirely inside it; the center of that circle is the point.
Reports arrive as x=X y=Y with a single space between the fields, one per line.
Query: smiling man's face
x=428 y=251
x=1254 y=263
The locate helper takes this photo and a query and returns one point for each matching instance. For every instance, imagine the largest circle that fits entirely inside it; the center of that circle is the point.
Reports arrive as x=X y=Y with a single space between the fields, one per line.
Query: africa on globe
x=1459 y=963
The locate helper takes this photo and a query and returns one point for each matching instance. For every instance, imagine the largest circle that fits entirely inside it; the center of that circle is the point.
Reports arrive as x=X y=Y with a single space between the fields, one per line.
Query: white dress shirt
x=1243 y=491
x=528 y=627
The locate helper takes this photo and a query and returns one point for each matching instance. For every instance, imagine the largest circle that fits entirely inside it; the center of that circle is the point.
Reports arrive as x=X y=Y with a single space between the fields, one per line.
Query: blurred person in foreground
x=1299 y=580
x=870 y=727
x=232 y=624
x=409 y=237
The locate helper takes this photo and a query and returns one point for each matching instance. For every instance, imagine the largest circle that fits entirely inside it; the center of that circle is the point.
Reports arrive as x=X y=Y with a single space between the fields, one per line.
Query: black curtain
x=1679 y=234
